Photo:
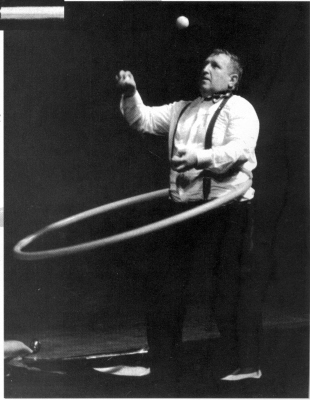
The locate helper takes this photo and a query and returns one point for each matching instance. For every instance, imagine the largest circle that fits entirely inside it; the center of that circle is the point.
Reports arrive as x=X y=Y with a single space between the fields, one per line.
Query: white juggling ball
x=182 y=22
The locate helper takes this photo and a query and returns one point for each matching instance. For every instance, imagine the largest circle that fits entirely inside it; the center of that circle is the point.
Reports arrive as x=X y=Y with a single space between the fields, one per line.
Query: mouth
x=205 y=78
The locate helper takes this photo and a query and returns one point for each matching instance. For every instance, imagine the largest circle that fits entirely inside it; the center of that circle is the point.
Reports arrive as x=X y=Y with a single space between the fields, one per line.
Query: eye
x=215 y=65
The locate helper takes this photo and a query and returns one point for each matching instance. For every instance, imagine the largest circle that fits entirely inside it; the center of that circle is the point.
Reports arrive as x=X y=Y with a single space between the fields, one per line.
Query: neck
x=217 y=95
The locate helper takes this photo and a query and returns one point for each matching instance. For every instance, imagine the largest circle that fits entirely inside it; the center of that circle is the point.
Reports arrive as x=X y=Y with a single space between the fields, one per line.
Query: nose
x=206 y=69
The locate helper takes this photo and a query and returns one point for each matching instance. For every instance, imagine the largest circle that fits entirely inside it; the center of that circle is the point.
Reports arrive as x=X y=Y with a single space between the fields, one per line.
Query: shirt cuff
x=130 y=107
x=204 y=158
x=127 y=102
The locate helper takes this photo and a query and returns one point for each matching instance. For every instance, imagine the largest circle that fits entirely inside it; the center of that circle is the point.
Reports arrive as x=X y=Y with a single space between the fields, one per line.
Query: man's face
x=216 y=75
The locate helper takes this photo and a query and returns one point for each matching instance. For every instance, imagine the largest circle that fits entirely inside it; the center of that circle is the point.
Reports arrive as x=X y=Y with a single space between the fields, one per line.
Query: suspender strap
x=208 y=139
x=208 y=144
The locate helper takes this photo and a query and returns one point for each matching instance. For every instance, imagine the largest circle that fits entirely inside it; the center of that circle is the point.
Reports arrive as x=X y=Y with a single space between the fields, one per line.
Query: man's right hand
x=126 y=83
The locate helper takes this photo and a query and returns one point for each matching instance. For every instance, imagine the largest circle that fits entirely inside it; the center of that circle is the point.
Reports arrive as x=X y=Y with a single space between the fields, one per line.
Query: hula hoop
x=98 y=356
x=121 y=237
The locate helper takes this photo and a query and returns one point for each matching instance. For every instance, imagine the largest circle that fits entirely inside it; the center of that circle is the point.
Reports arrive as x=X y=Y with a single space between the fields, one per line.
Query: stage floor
x=114 y=336
x=285 y=361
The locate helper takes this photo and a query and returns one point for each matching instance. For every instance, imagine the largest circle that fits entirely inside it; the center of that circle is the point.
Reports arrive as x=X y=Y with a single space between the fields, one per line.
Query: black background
x=68 y=149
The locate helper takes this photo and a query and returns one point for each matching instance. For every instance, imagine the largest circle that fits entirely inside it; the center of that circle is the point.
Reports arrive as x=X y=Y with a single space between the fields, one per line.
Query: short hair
x=235 y=63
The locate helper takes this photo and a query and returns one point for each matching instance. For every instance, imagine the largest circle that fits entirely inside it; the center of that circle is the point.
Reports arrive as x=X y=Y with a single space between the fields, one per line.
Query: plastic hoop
x=121 y=237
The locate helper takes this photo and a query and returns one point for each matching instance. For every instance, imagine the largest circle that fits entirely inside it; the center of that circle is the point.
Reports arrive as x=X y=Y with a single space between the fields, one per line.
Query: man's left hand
x=184 y=160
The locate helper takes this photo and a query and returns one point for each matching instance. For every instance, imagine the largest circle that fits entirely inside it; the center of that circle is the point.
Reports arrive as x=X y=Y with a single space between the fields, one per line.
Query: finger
x=122 y=75
x=177 y=165
x=176 y=161
x=119 y=76
x=125 y=74
x=179 y=169
x=181 y=152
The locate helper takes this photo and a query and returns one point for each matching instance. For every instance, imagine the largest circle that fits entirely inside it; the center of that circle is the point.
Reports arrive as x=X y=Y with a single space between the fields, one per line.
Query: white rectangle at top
x=32 y=12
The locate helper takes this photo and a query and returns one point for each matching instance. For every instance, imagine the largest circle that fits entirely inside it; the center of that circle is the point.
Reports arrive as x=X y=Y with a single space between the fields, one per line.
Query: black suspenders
x=208 y=138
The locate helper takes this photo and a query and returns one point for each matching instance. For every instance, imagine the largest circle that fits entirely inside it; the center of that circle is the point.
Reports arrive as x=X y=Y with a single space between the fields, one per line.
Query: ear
x=233 y=81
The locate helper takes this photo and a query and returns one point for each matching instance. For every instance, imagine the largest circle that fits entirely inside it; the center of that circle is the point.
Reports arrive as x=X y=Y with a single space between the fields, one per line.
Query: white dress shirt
x=233 y=142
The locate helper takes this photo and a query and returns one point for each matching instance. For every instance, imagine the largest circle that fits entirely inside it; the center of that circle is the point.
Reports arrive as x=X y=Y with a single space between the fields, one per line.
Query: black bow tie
x=215 y=97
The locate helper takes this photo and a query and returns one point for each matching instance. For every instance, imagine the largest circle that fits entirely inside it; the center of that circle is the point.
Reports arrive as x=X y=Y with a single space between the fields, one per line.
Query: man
x=204 y=166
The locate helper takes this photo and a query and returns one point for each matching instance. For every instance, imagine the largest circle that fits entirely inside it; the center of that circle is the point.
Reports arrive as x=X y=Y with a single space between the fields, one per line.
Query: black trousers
x=234 y=284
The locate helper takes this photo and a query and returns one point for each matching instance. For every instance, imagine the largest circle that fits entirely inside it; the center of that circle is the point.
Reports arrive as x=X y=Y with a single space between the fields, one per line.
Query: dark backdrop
x=67 y=148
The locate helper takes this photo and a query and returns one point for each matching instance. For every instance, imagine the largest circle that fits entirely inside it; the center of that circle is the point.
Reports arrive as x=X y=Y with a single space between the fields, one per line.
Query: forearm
x=221 y=158
x=143 y=118
x=238 y=145
x=130 y=108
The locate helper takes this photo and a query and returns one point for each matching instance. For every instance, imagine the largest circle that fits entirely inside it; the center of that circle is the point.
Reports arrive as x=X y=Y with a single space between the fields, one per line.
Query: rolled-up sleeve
x=239 y=141
x=154 y=120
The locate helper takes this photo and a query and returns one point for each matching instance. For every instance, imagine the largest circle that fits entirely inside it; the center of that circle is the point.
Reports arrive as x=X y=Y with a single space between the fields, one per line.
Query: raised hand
x=126 y=83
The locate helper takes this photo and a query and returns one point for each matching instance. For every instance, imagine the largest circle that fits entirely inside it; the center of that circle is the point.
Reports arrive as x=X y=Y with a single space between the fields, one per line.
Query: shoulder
x=238 y=102
x=238 y=105
x=182 y=105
